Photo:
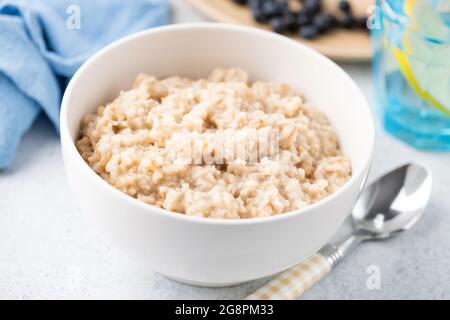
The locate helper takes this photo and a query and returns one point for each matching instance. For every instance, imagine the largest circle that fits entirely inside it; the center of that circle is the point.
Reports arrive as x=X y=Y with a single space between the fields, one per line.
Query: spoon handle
x=292 y=283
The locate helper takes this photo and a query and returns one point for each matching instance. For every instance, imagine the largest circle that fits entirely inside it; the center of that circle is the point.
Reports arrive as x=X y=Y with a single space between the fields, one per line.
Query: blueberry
x=312 y=7
x=279 y=25
x=240 y=2
x=332 y=20
x=303 y=19
x=259 y=15
x=290 y=19
x=254 y=4
x=325 y=22
x=345 y=6
x=348 y=21
x=309 y=32
x=362 y=23
x=273 y=8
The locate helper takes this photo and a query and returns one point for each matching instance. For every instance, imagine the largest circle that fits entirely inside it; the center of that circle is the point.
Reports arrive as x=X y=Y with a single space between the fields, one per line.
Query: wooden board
x=339 y=45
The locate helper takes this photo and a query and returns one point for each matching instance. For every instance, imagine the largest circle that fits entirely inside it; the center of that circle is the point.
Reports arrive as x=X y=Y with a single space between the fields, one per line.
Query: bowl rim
x=69 y=145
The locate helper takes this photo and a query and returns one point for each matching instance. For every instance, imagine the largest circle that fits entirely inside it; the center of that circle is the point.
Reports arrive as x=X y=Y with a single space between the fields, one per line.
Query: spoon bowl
x=391 y=205
x=394 y=203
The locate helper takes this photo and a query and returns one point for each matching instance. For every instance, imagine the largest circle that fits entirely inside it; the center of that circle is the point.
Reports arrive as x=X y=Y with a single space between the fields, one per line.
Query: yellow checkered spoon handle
x=292 y=283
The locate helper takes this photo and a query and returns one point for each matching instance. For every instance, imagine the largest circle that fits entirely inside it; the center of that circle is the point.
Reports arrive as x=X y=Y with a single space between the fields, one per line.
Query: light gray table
x=48 y=251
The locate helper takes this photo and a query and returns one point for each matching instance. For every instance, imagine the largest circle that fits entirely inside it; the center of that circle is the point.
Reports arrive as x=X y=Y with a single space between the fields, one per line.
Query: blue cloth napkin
x=43 y=43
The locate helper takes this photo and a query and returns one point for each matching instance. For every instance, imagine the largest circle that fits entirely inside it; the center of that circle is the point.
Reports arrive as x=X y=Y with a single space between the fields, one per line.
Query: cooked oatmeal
x=221 y=147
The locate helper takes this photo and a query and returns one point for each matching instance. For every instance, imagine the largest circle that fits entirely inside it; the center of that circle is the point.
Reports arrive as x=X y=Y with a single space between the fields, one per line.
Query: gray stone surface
x=48 y=251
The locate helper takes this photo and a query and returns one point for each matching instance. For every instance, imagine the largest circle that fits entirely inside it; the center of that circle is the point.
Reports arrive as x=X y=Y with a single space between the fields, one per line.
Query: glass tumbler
x=411 y=68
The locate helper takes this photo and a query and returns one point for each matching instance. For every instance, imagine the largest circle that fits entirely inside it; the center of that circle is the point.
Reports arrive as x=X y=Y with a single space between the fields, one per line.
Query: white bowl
x=198 y=250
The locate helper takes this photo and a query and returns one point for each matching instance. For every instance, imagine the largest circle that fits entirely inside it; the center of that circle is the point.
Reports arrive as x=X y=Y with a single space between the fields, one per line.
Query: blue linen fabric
x=44 y=42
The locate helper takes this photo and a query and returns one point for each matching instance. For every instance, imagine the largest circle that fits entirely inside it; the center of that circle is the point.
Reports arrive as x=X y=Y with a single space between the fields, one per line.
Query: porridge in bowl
x=220 y=147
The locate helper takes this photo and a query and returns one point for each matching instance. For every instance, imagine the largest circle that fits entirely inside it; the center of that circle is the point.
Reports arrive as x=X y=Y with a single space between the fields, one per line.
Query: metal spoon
x=386 y=208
